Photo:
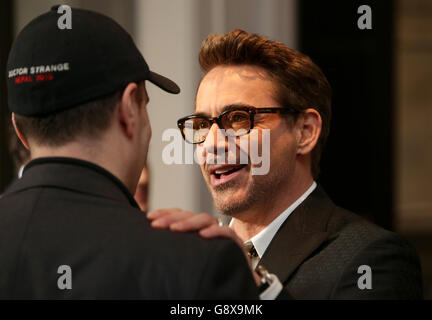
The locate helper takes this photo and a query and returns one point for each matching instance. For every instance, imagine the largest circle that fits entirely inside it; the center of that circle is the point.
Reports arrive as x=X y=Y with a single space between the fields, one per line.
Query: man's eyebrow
x=235 y=106
x=204 y=114
x=225 y=108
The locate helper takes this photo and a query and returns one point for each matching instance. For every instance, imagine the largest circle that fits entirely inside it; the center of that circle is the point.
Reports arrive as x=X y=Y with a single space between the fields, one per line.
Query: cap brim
x=163 y=83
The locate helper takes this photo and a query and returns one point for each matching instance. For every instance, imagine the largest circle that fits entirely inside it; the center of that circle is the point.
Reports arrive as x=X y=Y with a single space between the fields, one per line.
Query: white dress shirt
x=20 y=171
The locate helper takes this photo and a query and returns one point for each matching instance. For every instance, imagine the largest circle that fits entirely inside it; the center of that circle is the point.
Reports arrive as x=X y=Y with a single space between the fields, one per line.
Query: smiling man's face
x=234 y=188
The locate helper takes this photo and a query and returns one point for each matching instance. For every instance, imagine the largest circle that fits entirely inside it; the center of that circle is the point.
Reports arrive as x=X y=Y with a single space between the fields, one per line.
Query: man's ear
x=309 y=129
x=128 y=109
x=19 y=133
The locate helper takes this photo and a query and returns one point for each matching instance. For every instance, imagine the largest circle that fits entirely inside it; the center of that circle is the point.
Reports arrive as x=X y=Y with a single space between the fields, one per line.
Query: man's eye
x=238 y=117
x=201 y=125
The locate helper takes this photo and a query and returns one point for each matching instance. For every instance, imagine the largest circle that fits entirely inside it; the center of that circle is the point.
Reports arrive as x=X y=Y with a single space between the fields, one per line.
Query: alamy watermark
x=64 y=282
x=365 y=20
x=65 y=20
x=365 y=280
x=253 y=148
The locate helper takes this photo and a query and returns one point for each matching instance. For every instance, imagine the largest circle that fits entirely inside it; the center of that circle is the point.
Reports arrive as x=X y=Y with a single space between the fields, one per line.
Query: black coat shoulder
x=359 y=260
x=66 y=213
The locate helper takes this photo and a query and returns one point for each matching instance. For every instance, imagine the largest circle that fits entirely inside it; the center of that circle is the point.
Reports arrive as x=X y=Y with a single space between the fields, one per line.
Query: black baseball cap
x=51 y=69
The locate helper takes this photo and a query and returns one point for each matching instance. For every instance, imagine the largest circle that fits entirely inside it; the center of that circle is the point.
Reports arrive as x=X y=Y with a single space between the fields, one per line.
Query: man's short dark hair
x=88 y=120
x=300 y=83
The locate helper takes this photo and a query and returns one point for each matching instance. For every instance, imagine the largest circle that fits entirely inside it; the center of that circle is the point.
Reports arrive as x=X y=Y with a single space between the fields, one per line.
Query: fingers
x=214 y=231
x=180 y=220
x=160 y=212
x=194 y=223
x=163 y=218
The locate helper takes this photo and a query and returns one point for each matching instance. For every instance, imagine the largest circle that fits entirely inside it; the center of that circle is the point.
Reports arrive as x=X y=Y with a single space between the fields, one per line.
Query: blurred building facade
x=413 y=123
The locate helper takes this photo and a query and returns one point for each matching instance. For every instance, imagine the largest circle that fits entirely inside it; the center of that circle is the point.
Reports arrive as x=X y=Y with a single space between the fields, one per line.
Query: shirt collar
x=83 y=164
x=20 y=171
x=262 y=240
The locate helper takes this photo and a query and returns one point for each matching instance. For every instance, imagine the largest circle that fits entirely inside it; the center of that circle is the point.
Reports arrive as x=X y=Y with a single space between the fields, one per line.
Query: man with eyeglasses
x=287 y=223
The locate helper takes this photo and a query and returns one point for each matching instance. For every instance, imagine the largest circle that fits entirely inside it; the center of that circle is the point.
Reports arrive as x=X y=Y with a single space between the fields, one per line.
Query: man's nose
x=215 y=141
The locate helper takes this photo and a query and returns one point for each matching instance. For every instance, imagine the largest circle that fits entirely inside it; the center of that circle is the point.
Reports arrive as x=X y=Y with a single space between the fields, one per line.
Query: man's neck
x=248 y=223
x=98 y=157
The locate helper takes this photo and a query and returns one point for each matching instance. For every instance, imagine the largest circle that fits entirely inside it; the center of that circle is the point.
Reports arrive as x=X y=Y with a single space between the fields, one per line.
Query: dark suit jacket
x=318 y=250
x=71 y=212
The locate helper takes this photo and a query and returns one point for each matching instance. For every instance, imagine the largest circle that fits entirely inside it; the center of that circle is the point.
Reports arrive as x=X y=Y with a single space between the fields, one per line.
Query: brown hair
x=300 y=83
x=87 y=120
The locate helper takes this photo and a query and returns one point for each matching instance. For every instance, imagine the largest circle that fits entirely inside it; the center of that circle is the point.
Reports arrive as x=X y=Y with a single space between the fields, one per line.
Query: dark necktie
x=250 y=249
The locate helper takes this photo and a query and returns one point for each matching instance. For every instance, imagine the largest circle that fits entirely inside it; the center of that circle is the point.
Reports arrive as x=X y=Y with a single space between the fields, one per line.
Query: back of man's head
x=87 y=121
x=66 y=83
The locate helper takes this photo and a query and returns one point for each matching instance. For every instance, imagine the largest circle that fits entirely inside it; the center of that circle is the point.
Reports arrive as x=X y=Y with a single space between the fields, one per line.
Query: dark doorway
x=356 y=168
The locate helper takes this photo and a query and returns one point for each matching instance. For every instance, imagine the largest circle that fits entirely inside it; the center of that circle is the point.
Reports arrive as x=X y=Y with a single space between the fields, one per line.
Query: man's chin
x=230 y=201
x=229 y=187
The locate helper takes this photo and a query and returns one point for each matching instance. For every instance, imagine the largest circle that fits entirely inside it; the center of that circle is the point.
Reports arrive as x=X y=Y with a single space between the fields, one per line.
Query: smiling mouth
x=224 y=174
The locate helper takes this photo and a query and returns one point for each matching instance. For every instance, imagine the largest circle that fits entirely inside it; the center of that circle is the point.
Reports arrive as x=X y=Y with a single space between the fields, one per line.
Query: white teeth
x=222 y=171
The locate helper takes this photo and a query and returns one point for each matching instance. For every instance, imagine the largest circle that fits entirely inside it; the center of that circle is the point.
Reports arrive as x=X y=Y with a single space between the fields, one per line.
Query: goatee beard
x=231 y=207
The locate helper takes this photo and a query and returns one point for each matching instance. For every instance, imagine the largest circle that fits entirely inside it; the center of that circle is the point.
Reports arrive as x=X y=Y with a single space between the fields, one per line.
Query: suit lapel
x=302 y=233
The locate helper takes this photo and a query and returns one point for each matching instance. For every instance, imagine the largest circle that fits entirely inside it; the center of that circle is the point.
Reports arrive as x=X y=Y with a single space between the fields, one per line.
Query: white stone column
x=166 y=33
